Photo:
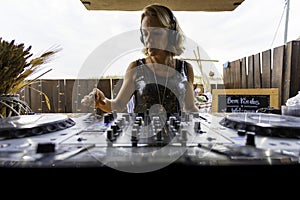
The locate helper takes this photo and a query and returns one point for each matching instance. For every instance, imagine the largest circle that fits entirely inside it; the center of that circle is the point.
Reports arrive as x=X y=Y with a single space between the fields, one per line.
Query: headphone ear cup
x=173 y=37
x=142 y=37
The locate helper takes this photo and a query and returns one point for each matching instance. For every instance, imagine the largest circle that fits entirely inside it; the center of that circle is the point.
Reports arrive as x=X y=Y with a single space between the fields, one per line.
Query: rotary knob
x=134 y=137
x=250 y=138
x=110 y=134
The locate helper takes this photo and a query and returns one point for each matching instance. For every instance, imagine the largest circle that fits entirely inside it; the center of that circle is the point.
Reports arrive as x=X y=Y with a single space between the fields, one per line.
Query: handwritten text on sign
x=242 y=103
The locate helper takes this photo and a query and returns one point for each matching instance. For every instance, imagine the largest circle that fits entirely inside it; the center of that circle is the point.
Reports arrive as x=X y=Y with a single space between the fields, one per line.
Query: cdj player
x=141 y=142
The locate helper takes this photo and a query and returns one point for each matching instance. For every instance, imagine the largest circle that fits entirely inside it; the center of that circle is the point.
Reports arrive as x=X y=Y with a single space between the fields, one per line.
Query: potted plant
x=18 y=70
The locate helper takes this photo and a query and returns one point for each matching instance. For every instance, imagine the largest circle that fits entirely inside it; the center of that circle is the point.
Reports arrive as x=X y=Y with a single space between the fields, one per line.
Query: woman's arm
x=127 y=89
x=97 y=99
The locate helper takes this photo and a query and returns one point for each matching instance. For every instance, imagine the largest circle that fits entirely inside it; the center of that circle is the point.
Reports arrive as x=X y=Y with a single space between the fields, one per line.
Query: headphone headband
x=171 y=15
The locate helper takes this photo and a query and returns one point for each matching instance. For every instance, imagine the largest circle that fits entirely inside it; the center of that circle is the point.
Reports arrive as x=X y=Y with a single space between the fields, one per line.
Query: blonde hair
x=167 y=20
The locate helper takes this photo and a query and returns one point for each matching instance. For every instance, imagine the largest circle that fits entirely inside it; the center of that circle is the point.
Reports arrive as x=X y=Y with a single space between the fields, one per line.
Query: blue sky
x=223 y=36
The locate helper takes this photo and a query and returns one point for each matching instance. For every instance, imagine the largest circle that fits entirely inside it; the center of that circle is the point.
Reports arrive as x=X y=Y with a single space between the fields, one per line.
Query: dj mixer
x=144 y=142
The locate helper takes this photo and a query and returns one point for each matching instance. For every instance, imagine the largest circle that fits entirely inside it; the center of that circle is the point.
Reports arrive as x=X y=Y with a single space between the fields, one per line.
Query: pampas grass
x=18 y=69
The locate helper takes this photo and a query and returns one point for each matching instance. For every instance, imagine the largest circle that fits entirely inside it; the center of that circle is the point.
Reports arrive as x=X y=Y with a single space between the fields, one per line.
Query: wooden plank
x=287 y=71
x=36 y=97
x=61 y=101
x=295 y=68
x=291 y=71
x=81 y=88
x=116 y=86
x=250 y=79
x=24 y=95
x=277 y=71
x=243 y=73
x=227 y=75
x=79 y=84
x=266 y=69
x=176 y=5
x=48 y=88
x=105 y=86
x=257 y=71
x=236 y=74
x=232 y=74
x=69 y=84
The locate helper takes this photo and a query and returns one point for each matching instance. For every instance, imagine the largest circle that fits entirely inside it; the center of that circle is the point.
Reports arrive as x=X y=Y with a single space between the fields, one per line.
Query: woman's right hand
x=94 y=99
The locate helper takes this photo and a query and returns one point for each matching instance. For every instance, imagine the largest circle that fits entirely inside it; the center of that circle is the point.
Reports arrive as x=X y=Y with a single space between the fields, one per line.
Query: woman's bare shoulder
x=189 y=66
x=190 y=71
x=132 y=65
x=135 y=63
x=130 y=71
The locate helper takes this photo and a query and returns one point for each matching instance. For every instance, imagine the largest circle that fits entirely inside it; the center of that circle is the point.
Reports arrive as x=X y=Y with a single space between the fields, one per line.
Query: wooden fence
x=273 y=68
x=65 y=94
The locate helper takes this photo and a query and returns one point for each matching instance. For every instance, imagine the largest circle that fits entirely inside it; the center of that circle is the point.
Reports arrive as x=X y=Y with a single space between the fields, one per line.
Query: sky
x=99 y=37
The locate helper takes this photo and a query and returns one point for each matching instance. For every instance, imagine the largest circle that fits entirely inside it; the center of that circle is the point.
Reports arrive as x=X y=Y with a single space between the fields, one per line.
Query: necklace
x=161 y=99
x=161 y=112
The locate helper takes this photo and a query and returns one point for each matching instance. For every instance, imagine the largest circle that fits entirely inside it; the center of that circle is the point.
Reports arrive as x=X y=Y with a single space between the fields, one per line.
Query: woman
x=158 y=82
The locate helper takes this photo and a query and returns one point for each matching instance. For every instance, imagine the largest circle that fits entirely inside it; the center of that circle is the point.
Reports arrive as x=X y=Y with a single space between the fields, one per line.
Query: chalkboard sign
x=244 y=100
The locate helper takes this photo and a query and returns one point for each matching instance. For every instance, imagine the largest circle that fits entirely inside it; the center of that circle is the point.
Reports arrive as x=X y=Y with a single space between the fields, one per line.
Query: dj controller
x=144 y=142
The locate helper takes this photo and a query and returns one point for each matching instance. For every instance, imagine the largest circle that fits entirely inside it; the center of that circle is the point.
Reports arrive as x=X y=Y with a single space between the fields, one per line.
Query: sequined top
x=152 y=90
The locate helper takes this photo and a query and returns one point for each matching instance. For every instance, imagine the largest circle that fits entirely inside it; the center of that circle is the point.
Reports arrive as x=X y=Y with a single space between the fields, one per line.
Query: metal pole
x=286 y=21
